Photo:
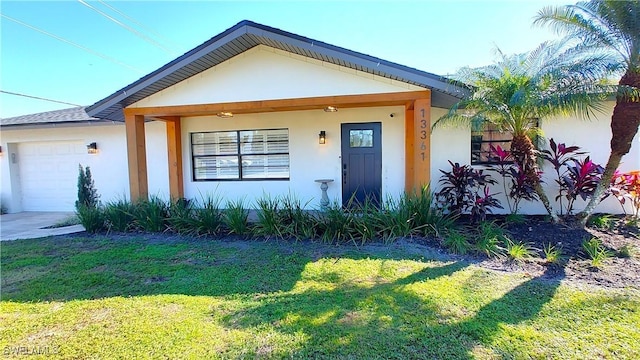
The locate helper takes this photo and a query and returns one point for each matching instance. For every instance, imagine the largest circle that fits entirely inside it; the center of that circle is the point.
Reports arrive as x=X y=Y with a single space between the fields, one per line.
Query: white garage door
x=49 y=174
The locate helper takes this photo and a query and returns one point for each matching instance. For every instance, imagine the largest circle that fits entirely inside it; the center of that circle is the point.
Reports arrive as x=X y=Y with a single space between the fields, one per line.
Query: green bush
x=151 y=215
x=119 y=215
x=87 y=193
x=596 y=251
x=268 y=224
x=92 y=218
x=235 y=218
x=518 y=251
x=552 y=255
x=456 y=242
x=207 y=217
x=489 y=238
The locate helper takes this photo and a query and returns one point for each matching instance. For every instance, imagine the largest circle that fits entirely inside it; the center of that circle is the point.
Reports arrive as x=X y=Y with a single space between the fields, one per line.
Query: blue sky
x=433 y=35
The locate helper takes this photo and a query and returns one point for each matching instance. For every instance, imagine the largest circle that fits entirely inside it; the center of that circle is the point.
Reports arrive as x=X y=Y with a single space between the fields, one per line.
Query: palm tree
x=518 y=92
x=615 y=27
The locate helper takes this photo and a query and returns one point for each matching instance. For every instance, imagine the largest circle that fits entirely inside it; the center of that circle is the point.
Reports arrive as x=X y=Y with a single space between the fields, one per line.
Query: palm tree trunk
x=524 y=154
x=624 y=127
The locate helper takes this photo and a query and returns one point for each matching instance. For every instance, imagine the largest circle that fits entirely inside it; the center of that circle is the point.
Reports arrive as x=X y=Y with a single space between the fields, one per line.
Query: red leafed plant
x=626 y=187
x=521 y=188
x=580 y=179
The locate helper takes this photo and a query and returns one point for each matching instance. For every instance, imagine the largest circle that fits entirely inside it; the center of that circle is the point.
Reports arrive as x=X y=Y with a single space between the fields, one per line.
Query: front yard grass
x=173 y=297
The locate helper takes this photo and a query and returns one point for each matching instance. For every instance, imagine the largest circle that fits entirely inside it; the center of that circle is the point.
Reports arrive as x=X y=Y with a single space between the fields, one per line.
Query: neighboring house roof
x=74 y=115
x=246 y=35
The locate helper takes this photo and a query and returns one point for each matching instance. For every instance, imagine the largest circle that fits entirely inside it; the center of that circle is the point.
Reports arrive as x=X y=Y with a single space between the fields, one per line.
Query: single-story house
x=256 y=110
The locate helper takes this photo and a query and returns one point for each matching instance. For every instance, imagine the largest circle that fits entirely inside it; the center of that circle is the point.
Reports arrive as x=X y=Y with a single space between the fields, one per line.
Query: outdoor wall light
x=92 y=148
x=322 y=137
x=330 y=109
x=224 y=114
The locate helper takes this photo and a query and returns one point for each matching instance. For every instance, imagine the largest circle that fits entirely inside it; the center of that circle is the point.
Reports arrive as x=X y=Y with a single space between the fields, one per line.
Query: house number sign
x=422 y=142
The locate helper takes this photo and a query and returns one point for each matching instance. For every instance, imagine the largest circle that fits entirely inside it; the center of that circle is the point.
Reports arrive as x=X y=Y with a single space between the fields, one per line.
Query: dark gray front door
x=361 y=162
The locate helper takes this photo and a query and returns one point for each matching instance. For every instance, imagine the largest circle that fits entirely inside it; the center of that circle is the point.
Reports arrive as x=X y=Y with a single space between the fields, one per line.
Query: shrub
x=337 y=224
x=521 y=187
x=87 y=193
x=181 y=217
x=518 y=251
x=552 y=255
x=296 y=222
x=596 y=251
x=456 y=242
x=235 y=218
x=119 y=215
x=626 y=187
x=207 y=218
x=268 y=223
x=575 y=177
x=489 y=238
x=464 y=189
x=151 y=215
x=91 y=217
x=580 y=179
x=426 y=217
x=602 y=221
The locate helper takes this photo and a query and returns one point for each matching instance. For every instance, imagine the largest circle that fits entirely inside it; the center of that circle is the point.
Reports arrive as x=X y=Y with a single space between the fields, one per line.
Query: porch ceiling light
x=92 y=148
x=330 y=109
x=225 y=114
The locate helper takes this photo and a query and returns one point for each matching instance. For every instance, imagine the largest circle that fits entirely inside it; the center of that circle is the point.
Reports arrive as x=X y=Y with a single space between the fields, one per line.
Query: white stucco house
x=258 y=110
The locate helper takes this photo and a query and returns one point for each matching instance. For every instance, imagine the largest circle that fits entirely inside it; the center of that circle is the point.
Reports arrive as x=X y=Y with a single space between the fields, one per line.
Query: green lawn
x=194 y=298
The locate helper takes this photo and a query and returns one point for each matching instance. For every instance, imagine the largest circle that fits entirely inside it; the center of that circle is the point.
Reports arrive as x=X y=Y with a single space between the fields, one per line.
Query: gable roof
x=246 y=35
x=70 y=116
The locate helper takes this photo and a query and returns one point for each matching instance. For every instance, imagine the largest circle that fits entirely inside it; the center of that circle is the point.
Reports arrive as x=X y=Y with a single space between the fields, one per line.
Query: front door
x=361 y=162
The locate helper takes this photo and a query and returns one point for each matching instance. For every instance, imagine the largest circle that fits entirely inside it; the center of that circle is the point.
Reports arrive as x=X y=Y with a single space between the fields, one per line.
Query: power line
x=106 y=57
x=37 y=97
x=135 y=22
x=130 y=29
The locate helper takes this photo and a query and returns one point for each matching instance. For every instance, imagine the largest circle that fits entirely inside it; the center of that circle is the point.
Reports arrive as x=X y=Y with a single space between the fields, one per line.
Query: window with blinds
x=240 y=155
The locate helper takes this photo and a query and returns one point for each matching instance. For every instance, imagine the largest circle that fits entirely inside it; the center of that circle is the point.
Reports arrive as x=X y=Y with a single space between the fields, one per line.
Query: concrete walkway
x=29 y=225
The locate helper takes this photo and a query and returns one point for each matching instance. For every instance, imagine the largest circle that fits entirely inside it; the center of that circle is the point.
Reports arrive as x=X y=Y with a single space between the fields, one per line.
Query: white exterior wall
x=593 y=136
x=308 y=159
x=265 y=73
x=108 y=167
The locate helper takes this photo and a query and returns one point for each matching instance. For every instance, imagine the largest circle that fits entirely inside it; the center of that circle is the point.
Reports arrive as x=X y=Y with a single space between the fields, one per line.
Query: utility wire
x=37 y=97
x=130 y=29
x=106 y=57
x=136 y=22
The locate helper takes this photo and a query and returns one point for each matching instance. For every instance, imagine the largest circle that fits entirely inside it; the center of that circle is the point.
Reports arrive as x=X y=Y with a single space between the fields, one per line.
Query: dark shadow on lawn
x=68 y=268
x=384 y=319
x=389 y=321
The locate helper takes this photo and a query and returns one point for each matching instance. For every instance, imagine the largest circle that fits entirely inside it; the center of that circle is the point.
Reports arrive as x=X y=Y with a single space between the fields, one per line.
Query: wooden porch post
x=418 y=144
x=137 y=157
x=174 y=147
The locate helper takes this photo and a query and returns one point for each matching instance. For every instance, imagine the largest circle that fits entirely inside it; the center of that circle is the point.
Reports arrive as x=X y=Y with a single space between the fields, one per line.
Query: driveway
x=29 y=225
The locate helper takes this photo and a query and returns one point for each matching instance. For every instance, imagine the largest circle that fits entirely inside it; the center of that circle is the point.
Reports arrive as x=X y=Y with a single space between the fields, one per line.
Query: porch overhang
x=417 y=131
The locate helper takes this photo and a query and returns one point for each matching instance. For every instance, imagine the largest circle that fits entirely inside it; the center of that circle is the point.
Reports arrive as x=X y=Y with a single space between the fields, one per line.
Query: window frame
x=239 y=155
x=485 y=130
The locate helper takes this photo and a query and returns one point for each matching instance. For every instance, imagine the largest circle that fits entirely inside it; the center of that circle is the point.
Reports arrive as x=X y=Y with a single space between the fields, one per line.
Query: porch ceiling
x=312 y=103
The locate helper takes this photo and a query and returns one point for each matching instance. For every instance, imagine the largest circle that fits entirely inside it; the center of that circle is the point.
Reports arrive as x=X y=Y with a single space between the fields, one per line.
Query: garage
x=48 y=174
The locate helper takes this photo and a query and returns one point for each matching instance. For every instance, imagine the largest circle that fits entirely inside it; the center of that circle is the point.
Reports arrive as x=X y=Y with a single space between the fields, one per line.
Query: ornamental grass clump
x=235 y=218
x=119 y=215
x=151 y=215
x=596 y=251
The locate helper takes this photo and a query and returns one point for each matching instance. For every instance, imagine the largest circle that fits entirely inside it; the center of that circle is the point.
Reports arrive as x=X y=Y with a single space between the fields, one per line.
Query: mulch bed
x=617 y=272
